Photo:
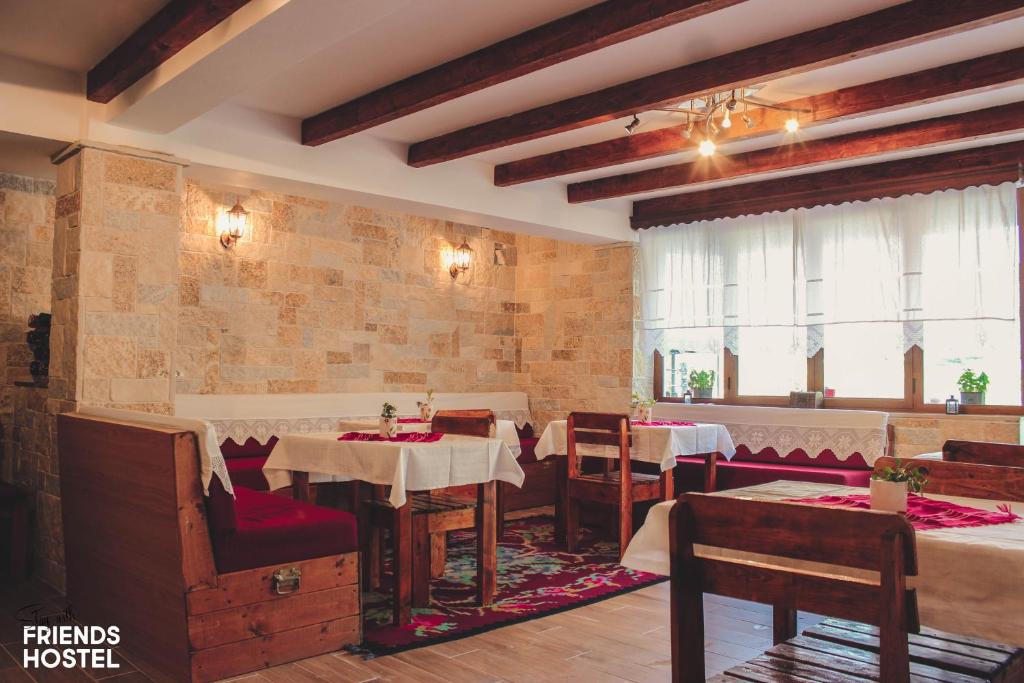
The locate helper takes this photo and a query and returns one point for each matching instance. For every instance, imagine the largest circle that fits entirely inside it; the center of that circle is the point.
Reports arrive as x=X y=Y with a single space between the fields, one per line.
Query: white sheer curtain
x=948 y=255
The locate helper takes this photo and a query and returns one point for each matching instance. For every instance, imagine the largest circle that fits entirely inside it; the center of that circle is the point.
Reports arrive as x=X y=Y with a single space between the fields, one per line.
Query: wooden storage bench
x=139 y=556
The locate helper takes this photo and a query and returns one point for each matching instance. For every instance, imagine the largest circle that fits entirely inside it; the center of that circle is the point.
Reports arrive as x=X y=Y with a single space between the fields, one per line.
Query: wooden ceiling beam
x=796 y=154
x=898 y=26
x=591 y=29
x=989 y=165
x=930 y=85
x=176 y=25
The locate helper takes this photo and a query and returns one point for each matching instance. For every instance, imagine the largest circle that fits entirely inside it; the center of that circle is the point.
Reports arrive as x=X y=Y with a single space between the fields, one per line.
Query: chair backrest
x=984 y=453
x=968 y=480
x=780 y=534
x=464 y=422
x=598 y=429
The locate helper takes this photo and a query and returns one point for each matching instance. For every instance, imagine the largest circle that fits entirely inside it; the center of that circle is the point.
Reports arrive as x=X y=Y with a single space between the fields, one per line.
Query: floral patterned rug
x=536 y=577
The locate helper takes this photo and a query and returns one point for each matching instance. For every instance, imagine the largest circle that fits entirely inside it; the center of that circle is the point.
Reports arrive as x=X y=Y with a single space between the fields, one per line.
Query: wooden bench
x=984 y=453
x=139 y=556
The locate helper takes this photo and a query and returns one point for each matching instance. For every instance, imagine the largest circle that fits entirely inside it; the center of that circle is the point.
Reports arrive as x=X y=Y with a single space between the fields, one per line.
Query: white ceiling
x=235 y=99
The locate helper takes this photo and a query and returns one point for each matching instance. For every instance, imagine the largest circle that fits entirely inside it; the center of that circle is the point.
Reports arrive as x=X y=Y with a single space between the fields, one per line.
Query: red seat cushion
x=528 y=453
x=272 y=530
x=250 y=449
x=248 y=472
x=735 y=474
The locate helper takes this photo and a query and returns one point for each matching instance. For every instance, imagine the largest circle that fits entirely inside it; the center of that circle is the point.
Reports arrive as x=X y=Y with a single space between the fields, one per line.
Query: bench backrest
x=984 y=453
x=968 y=480
x=780 y=534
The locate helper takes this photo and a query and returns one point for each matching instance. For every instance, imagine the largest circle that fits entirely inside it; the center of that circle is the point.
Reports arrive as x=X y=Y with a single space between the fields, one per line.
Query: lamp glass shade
x=238 y=219
x=463 y=255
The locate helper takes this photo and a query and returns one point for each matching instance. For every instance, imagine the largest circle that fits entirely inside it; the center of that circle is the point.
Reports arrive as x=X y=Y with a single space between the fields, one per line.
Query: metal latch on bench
x=286 y=580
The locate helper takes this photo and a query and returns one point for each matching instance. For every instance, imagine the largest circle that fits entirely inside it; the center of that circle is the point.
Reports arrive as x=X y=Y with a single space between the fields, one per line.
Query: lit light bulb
x=792 y=125
x=707 y=147
x=726 y=121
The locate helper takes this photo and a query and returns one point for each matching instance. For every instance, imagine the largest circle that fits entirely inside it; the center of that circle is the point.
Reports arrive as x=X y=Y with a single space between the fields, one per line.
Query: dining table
x=657 y=442
x=970 y=580
x=503 y=429
x=407 y=463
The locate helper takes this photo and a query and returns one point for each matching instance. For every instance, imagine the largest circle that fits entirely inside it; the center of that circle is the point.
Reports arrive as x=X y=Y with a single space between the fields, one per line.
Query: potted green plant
x=890 y=486
x=426 y=407
x=388 y=424
x=972 y=388
x=702 y=383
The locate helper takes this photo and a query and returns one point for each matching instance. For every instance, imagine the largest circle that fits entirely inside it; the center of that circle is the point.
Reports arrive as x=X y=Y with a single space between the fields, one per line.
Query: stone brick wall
x=916 y=434
x=26 y=252
x=327 y=297
x=575 y=309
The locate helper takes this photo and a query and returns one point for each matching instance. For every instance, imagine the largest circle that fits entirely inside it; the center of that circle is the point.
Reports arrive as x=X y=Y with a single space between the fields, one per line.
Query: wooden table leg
x=561 y=496
x=300 y=486
x=438 y=553
x=421 y=567
x=486 y=543
x=499 y=505
x=402 y=564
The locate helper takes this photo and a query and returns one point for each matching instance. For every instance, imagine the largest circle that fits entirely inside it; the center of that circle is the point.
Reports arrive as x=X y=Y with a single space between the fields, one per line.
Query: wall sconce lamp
x=461 y=258
x=235 y=221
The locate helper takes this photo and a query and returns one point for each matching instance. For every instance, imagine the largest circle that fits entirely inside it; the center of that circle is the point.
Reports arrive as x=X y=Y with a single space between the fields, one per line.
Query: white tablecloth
x=504 y=430
x=405 y=466
x=844 y=432
x=659 y=444
x=970 y=581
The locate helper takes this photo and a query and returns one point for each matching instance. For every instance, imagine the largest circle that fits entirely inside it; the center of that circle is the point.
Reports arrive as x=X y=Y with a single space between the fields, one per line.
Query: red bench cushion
x=272 y=530
x=799 y=457
x=248 y=472
x=250 y=449
x=528 y=454
x=735 y=474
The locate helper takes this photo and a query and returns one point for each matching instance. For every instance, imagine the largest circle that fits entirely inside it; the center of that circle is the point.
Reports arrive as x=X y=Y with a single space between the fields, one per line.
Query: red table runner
x=924 y=513
x=415 y=437
x=663 y=423
x=412 y=421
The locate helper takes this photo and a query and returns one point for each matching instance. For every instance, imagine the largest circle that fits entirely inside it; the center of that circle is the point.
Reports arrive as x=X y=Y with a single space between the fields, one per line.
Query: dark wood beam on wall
x=590 y=29
x=166 y=33
x=898 y=26
x=992 y=164
x=972 y=125
x=930 y=85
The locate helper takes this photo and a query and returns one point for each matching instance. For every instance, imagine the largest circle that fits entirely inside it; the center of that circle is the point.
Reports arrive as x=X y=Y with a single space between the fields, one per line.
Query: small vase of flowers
x=388 y=424
x=972 y=388
x=426 y=407
x=890 y=486
x=642 y=408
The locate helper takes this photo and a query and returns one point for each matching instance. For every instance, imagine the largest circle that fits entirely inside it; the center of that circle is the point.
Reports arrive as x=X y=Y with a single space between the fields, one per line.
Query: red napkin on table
x=924 y=513
x=663 y=423
x=411 y=421
x=415 y=437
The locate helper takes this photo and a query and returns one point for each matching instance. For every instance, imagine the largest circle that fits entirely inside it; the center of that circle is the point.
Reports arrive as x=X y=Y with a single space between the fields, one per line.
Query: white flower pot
x=890 y=496
x=643 y=413
x=425 y=411
x=388 y=426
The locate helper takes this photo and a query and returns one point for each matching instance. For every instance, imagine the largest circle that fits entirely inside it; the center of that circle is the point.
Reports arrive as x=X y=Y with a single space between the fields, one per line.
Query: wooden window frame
x=913 y=372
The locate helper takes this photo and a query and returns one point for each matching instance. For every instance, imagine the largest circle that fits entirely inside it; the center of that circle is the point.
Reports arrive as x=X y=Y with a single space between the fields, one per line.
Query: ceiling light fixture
x=632 y=125
x=715 y=112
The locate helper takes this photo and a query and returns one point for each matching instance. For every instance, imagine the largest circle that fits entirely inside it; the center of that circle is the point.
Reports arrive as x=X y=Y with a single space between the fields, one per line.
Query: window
x=990 y=346
x=864 y=360
x=772 y=360
x=887 y=300
x=690 y=350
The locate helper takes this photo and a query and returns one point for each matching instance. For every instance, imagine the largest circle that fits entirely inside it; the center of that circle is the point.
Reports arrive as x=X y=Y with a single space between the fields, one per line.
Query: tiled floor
x=625 y=638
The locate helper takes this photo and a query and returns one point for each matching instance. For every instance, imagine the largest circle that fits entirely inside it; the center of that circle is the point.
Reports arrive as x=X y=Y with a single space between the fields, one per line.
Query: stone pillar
x=114 y=305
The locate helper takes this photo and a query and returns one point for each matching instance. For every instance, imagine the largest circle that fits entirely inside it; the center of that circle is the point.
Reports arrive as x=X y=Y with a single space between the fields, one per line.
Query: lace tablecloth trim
x=842 y=441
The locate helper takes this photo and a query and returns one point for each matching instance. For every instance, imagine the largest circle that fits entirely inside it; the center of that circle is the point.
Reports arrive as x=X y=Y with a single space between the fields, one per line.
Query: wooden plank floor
x=625 y=638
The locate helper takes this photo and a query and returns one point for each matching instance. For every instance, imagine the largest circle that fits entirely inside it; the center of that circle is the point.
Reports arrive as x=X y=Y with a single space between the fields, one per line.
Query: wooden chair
x=968 y=480
x=433 y=515
x=984 y=453
x=860 y=539
x=620 y=488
